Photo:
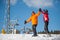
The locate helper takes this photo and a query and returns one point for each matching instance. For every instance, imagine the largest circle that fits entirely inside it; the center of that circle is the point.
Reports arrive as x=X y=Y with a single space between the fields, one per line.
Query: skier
x=34 y=20
x=46 y=21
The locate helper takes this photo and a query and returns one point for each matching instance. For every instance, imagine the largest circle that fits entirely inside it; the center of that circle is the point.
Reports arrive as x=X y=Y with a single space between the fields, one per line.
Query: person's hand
x=25 y=22
x=40 y=10
x=46 y=10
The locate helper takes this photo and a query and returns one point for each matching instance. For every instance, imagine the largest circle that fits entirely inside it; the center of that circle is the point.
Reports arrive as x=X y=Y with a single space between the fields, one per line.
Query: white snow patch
x=28 y=37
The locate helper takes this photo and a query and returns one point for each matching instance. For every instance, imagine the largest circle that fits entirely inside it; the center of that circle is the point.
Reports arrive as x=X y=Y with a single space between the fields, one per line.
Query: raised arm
x=42 y=12
x=39 y=12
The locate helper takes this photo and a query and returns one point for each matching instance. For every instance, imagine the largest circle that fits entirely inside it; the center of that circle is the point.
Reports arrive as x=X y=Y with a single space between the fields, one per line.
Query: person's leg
x=34 y=30
x=46 y=27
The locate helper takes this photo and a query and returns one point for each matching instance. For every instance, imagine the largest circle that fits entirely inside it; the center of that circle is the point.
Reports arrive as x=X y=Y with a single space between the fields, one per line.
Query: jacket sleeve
x=38 y=13
x=29 y=20
x=42 y=12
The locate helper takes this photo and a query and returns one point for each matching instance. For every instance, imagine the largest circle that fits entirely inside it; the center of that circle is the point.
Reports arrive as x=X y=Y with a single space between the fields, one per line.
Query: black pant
x=34 y=29
x=46 y=26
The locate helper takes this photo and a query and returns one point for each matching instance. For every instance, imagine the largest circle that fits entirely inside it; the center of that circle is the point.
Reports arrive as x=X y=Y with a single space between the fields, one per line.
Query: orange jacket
x=34 y=18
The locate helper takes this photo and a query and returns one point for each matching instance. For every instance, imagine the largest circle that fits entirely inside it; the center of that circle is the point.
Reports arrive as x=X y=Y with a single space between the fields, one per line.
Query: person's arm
x=39 y=12
x=28 y=20
x=42 y=12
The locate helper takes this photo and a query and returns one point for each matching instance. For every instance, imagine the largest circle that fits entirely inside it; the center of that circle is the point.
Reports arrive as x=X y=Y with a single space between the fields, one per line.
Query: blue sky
x=22 y=9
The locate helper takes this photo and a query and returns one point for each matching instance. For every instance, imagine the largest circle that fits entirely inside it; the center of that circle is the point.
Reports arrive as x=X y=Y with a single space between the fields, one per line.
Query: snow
x=28 y=37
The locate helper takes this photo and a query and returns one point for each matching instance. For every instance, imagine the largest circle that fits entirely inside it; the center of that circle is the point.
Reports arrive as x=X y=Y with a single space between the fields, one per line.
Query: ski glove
x=25 y=22
x=40 y=10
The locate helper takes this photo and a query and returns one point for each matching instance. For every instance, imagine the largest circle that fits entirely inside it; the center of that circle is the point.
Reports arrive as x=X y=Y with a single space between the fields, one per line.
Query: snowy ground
x=28 y=37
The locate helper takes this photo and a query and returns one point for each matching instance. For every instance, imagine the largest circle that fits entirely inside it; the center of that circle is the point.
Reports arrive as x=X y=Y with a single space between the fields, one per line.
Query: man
x=46 y=20
x=34 y=20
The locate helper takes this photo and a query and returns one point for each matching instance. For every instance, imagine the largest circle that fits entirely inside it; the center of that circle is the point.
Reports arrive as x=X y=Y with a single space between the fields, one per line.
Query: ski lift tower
x=8 y=16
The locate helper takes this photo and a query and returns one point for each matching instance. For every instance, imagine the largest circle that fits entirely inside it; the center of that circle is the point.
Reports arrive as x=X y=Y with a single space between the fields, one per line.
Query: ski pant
x=46 y=27
x=34 y=29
